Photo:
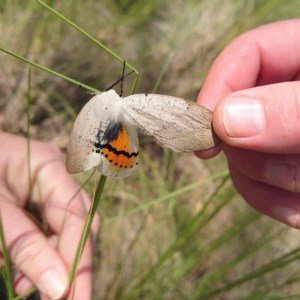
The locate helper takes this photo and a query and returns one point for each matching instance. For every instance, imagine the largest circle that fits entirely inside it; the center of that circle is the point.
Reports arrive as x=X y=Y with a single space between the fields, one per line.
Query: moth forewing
x=93 y=119
x=103 y=138
x=80 y=155
x=175 y=123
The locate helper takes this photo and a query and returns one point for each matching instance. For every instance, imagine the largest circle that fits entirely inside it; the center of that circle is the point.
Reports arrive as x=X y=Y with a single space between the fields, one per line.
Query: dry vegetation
x=171 y=231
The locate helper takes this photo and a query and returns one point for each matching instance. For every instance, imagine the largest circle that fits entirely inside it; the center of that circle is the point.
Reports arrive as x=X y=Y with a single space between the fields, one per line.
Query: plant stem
x=57 y=74
x=28 y=106
x=101 y=45
x=87 y=226
x=7 y=266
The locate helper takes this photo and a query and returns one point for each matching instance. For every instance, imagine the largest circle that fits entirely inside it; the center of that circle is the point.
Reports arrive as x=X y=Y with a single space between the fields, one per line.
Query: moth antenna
x=119 y=80
x=122 y=78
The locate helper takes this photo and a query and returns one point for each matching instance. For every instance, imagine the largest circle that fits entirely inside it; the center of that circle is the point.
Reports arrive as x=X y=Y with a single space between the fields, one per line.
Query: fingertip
x=209 y=153
x=54 y=283
x=287 y=215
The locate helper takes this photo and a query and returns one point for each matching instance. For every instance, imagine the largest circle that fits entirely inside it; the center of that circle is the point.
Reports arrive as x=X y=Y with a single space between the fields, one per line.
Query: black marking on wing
x=115 y=151
x=112 y=131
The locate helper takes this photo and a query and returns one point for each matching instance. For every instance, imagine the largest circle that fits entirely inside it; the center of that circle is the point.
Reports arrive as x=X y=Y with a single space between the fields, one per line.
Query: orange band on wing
x=119 y=160
x=117 y=151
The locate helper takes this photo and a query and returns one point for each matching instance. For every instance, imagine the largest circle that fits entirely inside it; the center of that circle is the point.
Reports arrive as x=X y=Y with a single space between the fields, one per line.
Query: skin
x=33 y=254
x=254 y=90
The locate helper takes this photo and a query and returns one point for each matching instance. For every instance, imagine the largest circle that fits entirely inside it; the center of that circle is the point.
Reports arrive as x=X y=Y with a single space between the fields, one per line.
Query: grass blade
x=28 y=124
x=190 y=230
x=97 y=42
x=8 y=277
x=269 y=267
x=57 y=74
x=168 y=196
x=87 y=227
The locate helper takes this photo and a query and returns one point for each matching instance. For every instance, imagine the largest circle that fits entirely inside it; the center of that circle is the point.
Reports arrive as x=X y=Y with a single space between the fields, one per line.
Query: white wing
x=175 y=123
x=92 y=120
x=80 y=154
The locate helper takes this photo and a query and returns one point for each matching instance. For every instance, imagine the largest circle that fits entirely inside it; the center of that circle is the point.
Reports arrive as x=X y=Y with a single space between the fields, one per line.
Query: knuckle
x=24 y=250
x=283 y=174
x=292 y=94
x=285 y=106
x=47 y=149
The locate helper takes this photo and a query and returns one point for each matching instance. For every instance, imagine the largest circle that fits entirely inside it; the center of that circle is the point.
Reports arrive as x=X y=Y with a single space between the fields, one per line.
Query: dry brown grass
x=177 y=40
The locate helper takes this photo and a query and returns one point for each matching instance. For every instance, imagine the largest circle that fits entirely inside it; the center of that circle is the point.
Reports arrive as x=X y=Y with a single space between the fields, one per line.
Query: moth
x=105 y=133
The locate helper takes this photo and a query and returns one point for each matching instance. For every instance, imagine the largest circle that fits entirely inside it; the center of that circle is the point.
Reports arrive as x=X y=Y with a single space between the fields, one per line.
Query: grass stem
x=97 y=42
x=52 y=72
x=8 y=277
x=87 y=226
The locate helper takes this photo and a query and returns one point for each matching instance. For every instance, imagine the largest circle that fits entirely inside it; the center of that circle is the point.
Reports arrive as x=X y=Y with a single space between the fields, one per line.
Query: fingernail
x=243 y=117
x=53 y=283
x=282 y=176
x=286 y=215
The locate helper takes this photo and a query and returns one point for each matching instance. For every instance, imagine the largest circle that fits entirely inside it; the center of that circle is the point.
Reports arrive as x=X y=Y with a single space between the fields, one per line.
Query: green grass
x=177 y=229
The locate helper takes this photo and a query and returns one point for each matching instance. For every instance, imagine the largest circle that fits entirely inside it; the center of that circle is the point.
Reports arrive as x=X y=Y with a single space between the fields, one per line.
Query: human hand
x=254 y=89
x=38 y=262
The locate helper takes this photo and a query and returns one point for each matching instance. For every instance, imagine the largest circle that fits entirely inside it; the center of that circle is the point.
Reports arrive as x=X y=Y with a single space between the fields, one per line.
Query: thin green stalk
x=7 y=265
x=28 y=124
x=162 y=72
x=122 y=263
x=133 y=87
x=87 y=226
x=168 y=196
x=273 y=265
x=169 y=170
x=101 y=45
x=191 y=228
x=25 y=294
x=57 y=74
x=210 y=280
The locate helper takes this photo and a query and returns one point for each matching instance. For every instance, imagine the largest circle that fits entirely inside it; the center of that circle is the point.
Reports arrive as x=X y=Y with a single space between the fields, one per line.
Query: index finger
x=66 y=216
x=265 y=55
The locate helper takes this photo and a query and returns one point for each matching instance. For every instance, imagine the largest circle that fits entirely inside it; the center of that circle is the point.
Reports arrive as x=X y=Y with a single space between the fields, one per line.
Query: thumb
x=264 y=119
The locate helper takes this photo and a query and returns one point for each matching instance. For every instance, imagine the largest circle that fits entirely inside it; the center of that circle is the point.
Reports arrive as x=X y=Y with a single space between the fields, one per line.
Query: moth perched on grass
x=105 y=132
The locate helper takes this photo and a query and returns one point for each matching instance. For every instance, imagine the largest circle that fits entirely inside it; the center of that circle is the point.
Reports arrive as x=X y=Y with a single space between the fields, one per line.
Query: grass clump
x=177 y=229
